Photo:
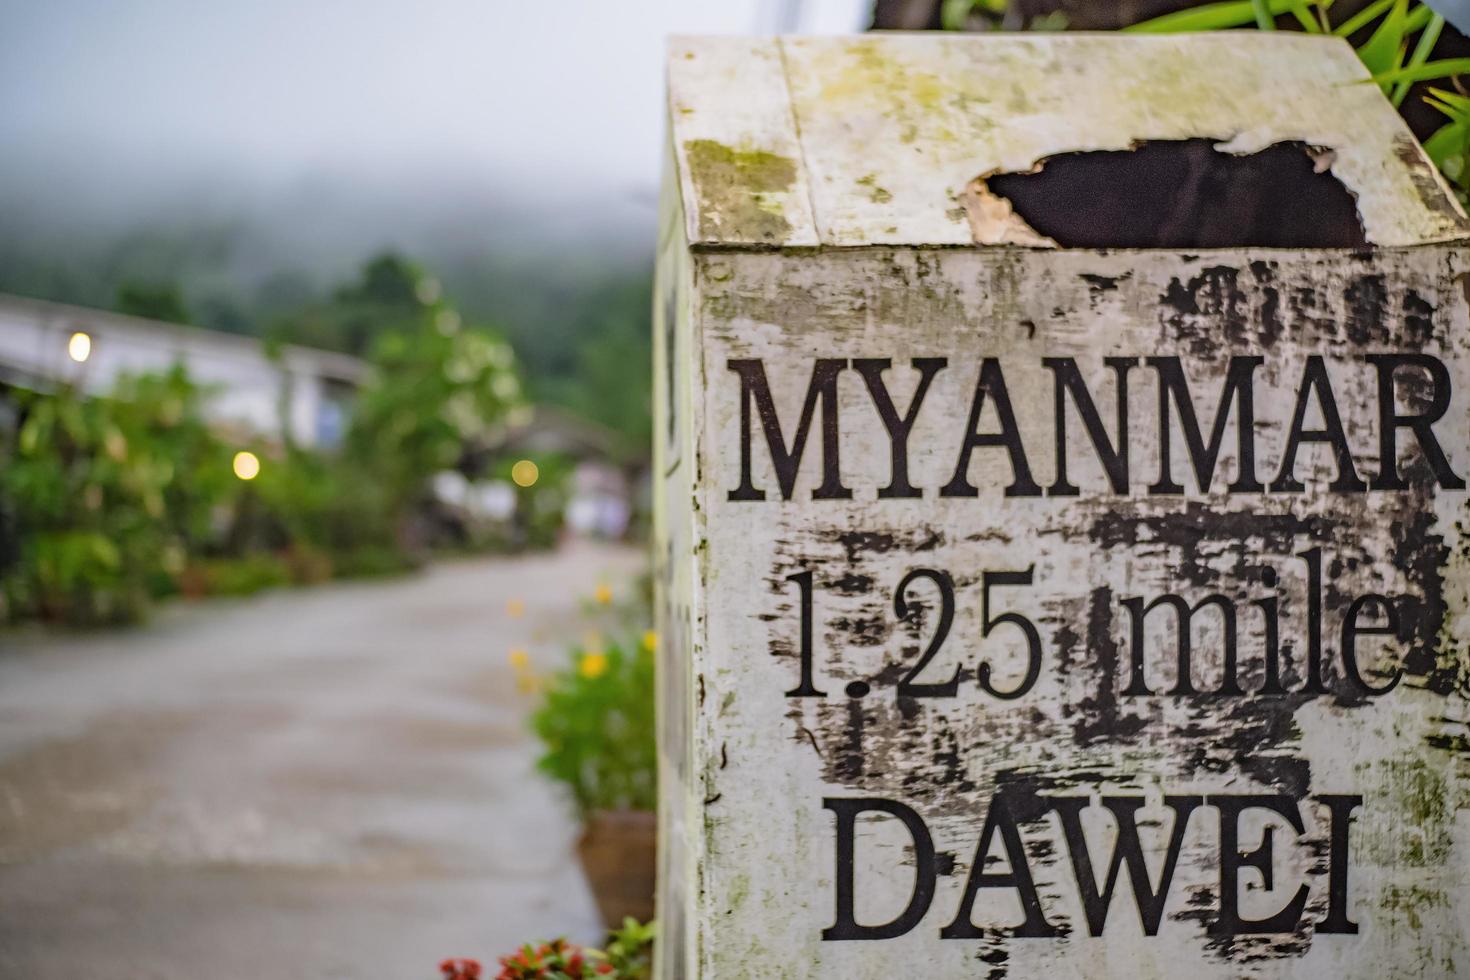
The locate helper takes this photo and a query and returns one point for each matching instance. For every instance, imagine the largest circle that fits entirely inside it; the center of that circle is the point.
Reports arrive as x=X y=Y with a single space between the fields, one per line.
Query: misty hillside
x=565 y=280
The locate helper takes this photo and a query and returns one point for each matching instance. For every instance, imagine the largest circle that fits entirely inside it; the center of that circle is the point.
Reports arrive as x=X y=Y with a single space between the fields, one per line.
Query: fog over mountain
x=255 y=153
x=231 y=236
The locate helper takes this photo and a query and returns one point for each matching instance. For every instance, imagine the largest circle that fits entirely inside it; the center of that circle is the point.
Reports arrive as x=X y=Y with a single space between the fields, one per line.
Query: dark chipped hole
x=1185 y=194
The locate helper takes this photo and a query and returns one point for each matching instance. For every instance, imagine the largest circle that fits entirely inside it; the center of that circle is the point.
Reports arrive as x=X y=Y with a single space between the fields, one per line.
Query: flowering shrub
x=596 y=720
x=103 y=499
x=628 y=956
x=556 y=960
x=459 y=969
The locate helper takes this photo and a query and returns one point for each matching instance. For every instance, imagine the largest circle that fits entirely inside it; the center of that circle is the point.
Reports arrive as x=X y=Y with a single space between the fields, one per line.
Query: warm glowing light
x=602 y=595
x=515 y=608
x=79 y=348
x=593 y=665
x=246 y=465
x=525 y=473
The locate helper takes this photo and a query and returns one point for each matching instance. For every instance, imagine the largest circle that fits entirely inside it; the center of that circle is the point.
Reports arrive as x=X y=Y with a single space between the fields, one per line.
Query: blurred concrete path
x=331 y=782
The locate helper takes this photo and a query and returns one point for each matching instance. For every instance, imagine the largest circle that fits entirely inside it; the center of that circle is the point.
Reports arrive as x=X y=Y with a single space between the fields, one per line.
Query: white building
x=43 y=344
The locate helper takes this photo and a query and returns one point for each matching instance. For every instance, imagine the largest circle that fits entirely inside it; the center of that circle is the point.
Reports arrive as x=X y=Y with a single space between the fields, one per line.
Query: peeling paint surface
x=922 y=116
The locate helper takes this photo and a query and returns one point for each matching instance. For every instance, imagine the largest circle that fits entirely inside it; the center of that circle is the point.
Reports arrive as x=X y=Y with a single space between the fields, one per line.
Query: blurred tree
x=434 y=395
x=439 y=387
x=391 y=294
x=155 y=301
x=610 y=376
x=220 y=311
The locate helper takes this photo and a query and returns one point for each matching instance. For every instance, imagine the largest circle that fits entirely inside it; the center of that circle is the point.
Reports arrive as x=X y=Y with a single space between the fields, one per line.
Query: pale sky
x=533 y=94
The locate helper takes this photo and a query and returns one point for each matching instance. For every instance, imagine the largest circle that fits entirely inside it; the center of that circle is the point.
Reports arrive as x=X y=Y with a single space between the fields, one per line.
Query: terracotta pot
x=619 y=854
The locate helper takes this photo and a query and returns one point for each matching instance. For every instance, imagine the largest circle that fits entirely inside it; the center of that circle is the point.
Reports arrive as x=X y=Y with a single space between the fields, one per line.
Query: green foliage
x=629 y=956
x=596 y=720
x=1222 y=16
x=630 y=949
x=1450 y=145
x=106 y=493
x=1425 y=72
x=961 y=15
x=438 y=389
x=164 y=413
x=602 y=365
x=108 y=502
x=541 y=508
x=238 y=576
x=156 y=301
x=329 y=506
x=392 y=294
x=577 y=317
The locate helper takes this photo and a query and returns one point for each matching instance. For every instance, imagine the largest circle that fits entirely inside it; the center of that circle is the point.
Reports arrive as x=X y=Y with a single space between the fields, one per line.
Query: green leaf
x=1427 y=41
x=1449 y=140
x=1452 y=102
x=953 y=14
x=1417 y=18
x=1444 y=68
x=1213 y=16
x=1384 y=50
x=1308 y=22
x=1362 y=18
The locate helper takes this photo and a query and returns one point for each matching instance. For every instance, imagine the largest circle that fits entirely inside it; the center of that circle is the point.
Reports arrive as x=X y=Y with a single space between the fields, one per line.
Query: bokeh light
x=525 y=473
x=79 y=347
x=246 y=465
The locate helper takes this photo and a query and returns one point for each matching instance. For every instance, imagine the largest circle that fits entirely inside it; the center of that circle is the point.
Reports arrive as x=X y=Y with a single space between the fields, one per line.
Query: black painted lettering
x=1126 y=851
x=992 y=385
x=1112 y=455
x=1422 y=424
x=1315 y=684
x=1316 y=383
x=1183 y=618
x=1019 y=877
x=872 y=368
x=1230 y=922
x=1271 y=629
x=1352 y=629
x=1239 y=387
x=1341 y=808
x=846 y=926
x=756 y=390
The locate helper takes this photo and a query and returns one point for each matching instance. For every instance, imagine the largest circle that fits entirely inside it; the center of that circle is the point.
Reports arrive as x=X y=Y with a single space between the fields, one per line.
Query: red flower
x=460 y=969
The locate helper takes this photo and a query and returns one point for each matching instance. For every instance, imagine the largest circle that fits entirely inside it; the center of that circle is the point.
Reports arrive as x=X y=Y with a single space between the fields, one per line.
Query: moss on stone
x=737 y=191
x=876 y=194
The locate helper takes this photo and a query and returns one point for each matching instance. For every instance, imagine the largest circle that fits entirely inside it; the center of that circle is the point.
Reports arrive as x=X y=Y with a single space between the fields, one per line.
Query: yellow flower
x=515 y=608
x=650 y=640
x=593 y=665
x=519 y=659
x=603 y=595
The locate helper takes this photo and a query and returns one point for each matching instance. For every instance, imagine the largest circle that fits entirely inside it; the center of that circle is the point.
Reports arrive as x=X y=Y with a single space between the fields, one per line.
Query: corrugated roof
x=873 y=140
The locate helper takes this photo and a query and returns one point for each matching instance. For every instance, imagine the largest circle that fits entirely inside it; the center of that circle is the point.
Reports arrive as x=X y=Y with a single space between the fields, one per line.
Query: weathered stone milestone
x=1036 y=603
